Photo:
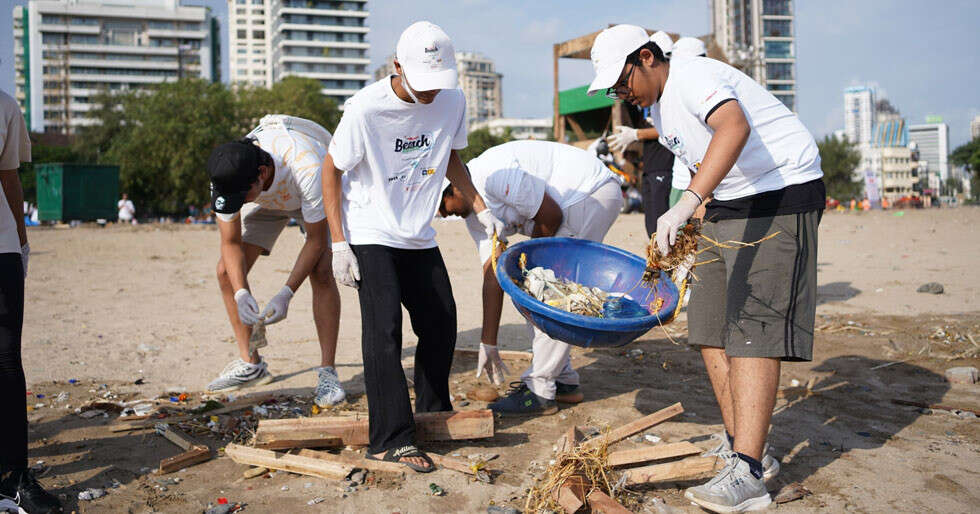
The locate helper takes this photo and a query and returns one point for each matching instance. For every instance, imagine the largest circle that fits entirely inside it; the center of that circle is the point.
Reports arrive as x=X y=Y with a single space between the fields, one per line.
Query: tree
x=968 y=155
x=480 y=140
x=839 y=158
x=295 y=96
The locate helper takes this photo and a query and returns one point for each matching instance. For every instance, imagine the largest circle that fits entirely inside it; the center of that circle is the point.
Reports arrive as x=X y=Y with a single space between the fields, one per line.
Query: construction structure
x=318 y=39
x=757 y=36
x=67 y=51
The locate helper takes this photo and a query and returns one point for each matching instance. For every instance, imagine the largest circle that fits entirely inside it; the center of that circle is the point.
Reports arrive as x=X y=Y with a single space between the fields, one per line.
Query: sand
x=117 y=304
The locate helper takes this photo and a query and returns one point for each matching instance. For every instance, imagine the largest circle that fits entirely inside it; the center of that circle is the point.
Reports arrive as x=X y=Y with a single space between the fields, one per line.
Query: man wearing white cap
x=539 y=189
x=754 y=306
x=382 y=180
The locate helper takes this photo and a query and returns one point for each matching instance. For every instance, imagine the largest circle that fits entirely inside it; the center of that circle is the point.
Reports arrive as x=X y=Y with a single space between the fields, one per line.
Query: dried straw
x=590 y=463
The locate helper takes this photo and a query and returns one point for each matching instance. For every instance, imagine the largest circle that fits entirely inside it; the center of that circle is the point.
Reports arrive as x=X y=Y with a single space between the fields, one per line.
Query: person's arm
x=330 y=177
x=309 y=254
x=232 y=254
x=548 y=218
x=731 y=131
x=460 y=179
x=646 y=134
x=493 y=304
x=15 y=199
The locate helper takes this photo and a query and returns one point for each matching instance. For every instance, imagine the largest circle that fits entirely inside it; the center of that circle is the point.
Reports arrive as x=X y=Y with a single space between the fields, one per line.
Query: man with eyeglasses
x=751 y=307
x=257 y=185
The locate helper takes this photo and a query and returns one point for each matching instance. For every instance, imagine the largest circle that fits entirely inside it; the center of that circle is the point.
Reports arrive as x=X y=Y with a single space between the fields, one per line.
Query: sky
x=924 y=59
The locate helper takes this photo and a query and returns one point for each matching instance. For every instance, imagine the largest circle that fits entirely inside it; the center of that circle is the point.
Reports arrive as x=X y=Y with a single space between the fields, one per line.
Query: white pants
x=589 y=219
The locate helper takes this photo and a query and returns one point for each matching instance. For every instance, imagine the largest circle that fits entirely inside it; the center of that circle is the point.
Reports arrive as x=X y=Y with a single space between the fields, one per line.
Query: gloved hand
x=491 y=224
x=489 y=361
x=622 y=138
x=276 y=309
x=248 y=308
x=671 y=221
x=345 y=268
x=25 y=253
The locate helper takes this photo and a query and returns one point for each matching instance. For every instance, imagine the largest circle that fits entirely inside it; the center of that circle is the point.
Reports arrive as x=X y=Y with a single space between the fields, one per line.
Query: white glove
x=25 y=253
x=489 y=361
x=622 y=138
x=248 y=308
x=671 y=221
x=345 y=268
x=276 y=309
x=491 y=224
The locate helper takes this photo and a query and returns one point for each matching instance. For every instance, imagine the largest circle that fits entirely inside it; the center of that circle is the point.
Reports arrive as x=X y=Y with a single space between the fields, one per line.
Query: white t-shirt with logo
x=779 y=152
x=395 y=154
x=298 y=147
x=126 y=210
x=15 y=148
x=513 y=177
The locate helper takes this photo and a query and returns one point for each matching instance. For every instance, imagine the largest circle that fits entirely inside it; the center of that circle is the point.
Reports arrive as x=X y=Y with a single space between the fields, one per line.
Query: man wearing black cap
x=276 y=171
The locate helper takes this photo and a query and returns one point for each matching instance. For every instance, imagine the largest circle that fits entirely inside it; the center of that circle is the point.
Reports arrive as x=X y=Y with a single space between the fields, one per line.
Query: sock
x=731 y=440
x=755 y=467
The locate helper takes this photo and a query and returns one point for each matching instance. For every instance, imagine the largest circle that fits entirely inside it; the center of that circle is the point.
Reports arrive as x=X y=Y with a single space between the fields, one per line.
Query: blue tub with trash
x=590 y=264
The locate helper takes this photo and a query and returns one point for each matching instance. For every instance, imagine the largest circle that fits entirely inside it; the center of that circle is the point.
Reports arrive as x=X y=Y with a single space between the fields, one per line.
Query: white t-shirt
x=513 y=177
x=15 y=148
x=780 y=151
x=395 y=154
x=681 y=176
x=298 y=147
x=126 y=210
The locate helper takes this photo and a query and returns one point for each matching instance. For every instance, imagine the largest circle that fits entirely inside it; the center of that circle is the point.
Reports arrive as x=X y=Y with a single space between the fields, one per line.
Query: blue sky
x=925 y=59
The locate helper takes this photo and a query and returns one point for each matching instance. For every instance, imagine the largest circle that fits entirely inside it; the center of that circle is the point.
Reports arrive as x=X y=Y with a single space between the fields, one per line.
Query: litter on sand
x=257 y=339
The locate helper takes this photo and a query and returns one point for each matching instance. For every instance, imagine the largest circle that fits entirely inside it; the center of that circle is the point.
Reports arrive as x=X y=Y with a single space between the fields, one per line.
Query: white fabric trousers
x=589 y=219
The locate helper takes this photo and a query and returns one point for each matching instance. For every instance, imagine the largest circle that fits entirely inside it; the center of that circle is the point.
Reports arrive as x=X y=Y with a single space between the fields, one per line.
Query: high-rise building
x=479 y=81
x=757 y=37
x=324 y=40
x=932 y=140
x=67 y=51
x=519 y=128
x=975 y=127
x=859 y=114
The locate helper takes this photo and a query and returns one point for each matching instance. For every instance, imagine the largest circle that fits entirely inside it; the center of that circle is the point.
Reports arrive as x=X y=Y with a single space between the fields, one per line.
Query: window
x=779 y=49
x=780 y=87
x=258 y=34
x=777 y=28
x=788 y=100
x=776 y=7
x=779 y=71
x=241 y=33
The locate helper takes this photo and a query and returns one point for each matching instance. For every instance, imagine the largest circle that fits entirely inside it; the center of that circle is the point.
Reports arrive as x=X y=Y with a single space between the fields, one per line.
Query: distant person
x=257 y=184
x=127 y=211
x=17 y=481
x=538 y=189
x=752 y=307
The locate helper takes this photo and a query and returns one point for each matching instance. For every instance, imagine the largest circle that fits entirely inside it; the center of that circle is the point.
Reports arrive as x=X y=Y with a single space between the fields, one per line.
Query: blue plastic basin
x=590 y=264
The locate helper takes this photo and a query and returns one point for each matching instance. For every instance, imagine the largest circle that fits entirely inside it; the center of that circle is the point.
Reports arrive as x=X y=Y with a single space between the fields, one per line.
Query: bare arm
x=232 y=254
x=646 y=134
x=330 y=177
x=731 y=131
x=15 y=199
x=548 y=218
x=309 y=254
x=493 y=304
x=456 y=173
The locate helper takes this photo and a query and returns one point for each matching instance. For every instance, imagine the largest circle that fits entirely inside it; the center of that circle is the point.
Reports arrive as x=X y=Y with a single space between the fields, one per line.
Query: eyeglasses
x=622 y=88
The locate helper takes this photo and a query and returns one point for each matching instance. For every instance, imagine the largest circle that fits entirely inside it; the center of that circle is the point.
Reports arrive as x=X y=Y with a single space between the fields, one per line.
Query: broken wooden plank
x=933 y=406
x=601 y=503
x=285 y=462
x=571 y=494
x=504 y=354
x=195 y=455
x=687 y=469
x=175 y=436
x=429 y=426
x=644 y=423
x=569 y=440
x=659 y=452
x=274 y=443
x=355 y=461
x=451 y=463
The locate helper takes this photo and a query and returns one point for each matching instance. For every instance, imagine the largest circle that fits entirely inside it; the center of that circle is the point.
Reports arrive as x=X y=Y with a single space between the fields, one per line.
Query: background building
x=891 y=158
x=68 y=51
x=479 y=81
x=975 y=127
x=318 y=39
x=520 y=128
x=859 y=114
x=932 y=140
x=758 y=37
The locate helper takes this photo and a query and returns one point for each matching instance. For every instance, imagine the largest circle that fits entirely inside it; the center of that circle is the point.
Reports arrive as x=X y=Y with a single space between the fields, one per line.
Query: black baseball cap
x=233 y=168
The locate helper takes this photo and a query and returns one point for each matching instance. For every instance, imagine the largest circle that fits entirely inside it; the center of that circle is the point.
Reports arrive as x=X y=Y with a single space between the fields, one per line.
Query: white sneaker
x=770 y=466
x=238 y=374
x=328 y=391
x=734 y=489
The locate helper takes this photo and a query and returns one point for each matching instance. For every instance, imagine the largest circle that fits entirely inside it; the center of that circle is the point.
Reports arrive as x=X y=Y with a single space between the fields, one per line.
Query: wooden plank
x=571 y=494
x=687 y=469
x=275 y=443
x=644 y=423
x=429 y=426
x=451 y=463
x=176 y=436
x=573 y=48
x=194 y=455
x=601 y=503
x=933 y=406
x=659 y=452
x=504 y=354
x=355 y=461
x=579 y=133
x=285 y=462
x=571 y=439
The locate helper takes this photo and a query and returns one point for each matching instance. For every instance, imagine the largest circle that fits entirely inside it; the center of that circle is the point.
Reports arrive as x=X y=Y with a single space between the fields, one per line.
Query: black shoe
x=521 y=401
x=23 y=488
x=568 y=393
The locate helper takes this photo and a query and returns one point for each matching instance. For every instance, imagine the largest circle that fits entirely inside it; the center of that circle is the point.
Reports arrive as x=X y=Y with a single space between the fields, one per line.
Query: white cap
x=689 y=47
x=609 y=52
x=427 y=57
x=662 y=39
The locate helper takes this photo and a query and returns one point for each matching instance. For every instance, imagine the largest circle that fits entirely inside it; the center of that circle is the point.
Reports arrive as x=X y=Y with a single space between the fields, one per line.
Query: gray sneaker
x=328 y=390
x=238 y=374
x=770 y=466
x=733 y=489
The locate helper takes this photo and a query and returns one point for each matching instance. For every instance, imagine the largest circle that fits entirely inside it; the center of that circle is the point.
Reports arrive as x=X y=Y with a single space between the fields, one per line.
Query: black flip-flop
x=396 y=454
